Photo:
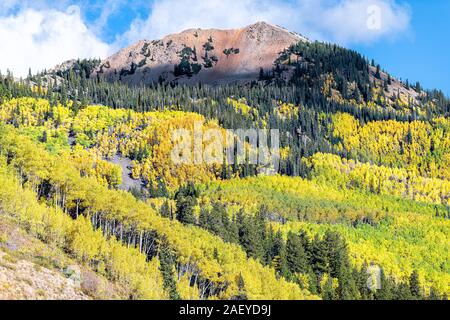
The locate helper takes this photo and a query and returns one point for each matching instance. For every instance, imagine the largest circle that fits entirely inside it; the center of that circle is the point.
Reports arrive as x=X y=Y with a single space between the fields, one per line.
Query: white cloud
x=40 y=39
x=352 y=21
x=342 y=21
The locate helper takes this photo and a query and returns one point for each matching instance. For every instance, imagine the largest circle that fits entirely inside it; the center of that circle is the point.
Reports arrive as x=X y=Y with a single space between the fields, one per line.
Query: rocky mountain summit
x=208 y=56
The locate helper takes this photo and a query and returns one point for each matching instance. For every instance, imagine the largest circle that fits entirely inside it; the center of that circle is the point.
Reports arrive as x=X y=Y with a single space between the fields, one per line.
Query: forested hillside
x=358 y=209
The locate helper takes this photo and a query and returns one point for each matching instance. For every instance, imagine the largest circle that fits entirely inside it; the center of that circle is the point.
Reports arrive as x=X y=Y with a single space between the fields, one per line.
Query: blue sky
x=421 y=54
x=408 y=38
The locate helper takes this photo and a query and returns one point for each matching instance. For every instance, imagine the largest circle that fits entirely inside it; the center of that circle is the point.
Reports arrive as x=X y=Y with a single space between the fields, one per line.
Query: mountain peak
x=263 y=24
x=213 y=56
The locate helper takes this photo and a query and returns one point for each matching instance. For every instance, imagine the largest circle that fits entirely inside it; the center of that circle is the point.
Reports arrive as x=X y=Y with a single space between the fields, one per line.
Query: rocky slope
x=33 y=270
x=25 y=280
x=207 y=56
